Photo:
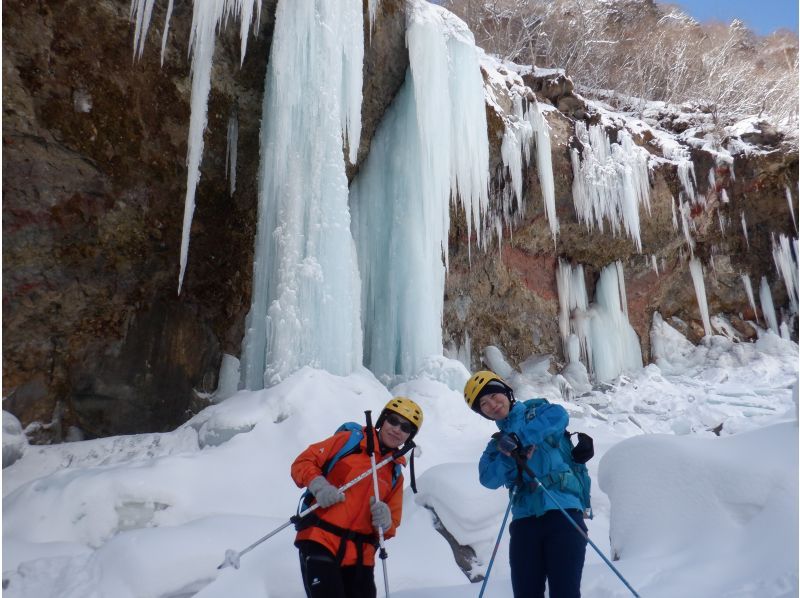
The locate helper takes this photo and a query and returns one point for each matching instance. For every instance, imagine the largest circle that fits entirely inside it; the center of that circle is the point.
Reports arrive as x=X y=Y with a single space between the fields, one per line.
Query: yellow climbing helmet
x=406 y=408
x=481 y=383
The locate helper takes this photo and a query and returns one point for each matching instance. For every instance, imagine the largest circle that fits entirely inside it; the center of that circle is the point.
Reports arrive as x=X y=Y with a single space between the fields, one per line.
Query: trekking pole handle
x=370 y=437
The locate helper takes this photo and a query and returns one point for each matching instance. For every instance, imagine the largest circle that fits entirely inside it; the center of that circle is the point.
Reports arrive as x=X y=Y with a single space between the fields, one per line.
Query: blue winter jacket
x=539 y=423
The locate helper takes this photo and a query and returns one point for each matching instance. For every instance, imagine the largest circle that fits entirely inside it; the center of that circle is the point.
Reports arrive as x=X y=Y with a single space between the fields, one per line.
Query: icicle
x=674 y=214
x=744 y=229
x=232 y=147
x=685 y=211
x=623 y=297
x=786 y=264
x=712 y=180
x=544 y=165
x=686 y=177
x=141 y=10
x=696 y=269
x=610 y=181
x=516 y=140
x=207 y=16
x=722 y=222
x=373 y=10
x=305 y=304
x=654 y=262
x=748 y=289
x=791 y=206
x=724 y=196
x=767 y=306
x=677 y=153
x=166 y=31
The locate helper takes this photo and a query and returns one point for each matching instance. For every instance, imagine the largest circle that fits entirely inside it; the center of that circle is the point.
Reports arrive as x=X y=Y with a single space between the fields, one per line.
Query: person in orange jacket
x=337 y=542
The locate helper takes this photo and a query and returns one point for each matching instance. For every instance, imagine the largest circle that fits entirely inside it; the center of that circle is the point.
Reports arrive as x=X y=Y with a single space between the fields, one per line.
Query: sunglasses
x=398 y=422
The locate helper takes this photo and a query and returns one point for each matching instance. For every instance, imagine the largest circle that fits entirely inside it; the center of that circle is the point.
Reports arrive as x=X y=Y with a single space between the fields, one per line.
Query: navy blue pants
x=547 y=548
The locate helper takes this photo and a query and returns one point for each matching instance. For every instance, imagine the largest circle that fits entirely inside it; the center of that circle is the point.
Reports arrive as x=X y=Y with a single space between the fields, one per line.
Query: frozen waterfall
x=430 y=145
x=606 y=340
x=305 y=305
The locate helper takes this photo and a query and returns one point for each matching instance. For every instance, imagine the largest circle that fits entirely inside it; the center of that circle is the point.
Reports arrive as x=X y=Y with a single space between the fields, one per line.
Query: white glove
x=326 y=493
x=381 y=514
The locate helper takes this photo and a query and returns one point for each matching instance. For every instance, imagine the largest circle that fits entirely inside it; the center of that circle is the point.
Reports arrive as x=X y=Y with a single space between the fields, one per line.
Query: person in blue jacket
x=544 y=545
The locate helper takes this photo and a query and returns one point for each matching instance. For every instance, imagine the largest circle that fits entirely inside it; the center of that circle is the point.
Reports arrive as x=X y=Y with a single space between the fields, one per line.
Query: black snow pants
x=324 y=578
x=548 y=548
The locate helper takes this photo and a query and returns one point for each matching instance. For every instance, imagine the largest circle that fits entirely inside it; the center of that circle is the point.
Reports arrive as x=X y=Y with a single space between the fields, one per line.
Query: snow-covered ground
x=691 y=514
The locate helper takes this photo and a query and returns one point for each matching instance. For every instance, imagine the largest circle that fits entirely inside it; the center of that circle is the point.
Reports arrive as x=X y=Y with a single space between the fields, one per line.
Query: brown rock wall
x=94 y=180
x=510 y=293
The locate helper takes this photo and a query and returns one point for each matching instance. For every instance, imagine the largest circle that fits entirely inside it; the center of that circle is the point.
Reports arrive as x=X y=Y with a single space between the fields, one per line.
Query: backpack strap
x=350 y=447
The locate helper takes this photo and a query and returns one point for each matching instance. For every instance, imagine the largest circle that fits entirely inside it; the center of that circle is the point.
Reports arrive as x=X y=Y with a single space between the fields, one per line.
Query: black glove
x=506 y=443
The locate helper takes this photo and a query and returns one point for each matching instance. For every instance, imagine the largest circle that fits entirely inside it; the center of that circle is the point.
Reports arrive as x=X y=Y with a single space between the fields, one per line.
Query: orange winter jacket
x=353 y=513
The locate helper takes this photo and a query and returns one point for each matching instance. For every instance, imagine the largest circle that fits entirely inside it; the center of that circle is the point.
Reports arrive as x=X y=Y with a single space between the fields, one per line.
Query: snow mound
x=735 y=497
x=14 y=440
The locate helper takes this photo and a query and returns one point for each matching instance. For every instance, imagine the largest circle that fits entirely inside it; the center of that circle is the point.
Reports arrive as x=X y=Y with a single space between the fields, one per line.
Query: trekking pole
x=371 y=453
x=522 y=461
x=497 y=543
x=232 y=557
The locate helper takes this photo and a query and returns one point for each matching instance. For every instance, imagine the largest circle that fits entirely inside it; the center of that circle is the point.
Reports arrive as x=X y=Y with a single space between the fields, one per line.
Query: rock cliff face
x=508 y=297
x=94 y=177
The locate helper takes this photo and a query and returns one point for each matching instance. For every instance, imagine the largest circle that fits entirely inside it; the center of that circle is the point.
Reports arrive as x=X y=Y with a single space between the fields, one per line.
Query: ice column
x=767 y=306
x=610 y=180
x=305 y=306
x=599 y=333
x=573 y=310
x=696 y=269
x=615 y=345
x=430 y=145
